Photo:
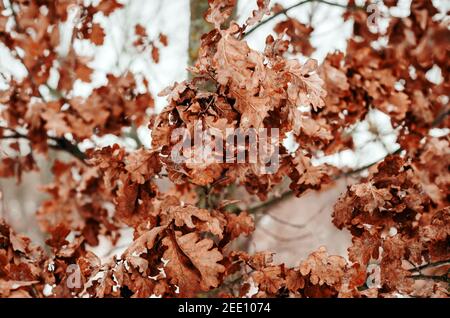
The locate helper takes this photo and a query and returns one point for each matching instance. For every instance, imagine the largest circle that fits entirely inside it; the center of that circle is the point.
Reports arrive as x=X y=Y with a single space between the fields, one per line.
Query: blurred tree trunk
x=198 y=27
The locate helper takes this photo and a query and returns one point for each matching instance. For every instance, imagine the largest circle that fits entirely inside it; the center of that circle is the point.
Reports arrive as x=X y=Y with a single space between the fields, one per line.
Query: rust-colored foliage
x=185 y=237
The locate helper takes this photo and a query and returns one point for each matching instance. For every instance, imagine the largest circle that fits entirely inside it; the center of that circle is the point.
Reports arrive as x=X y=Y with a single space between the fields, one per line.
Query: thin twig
x=14 y=137
x=363 y=168
x=283 y=239
x=274 y=16
x=289 y=193
x=270 y=202
x=61 y=142
x=281 y=221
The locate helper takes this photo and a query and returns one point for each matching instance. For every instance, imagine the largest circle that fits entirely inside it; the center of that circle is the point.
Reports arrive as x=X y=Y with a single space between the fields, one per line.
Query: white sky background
x=172 y=18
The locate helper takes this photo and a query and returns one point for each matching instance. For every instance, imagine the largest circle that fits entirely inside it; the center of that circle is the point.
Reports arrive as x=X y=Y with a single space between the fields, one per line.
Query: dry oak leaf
x=55 y=121
x=219 y=11
x=134 y=201
x=179 y=269
x=396 y=105
x=315 y=129
x=163 y=39
x=393 y=275
x=83 y=72
x=105 y=286
x=372 y=197
x=309 y=174
x=323 y=269
x=439 y=227
x=269 y=279
x=258 y=261
x=155 y=54
x=19 y=243
x=238 y=224
x=142 y=164
x=263 y=9
x=335 y=79
x=232 y=62
x=201 y=175
x=193 y=265
x=364 y=248
x=90 y=111
x=298 y=34
x=97 y=35
x=295 y=117
x=89 y=264
x=109 y=160
x=58 y=236
x=294 y=280
x=145 y=242
x=193 y=217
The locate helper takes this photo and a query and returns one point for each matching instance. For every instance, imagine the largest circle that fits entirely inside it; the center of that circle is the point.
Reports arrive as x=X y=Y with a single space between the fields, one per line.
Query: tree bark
x=198 y=27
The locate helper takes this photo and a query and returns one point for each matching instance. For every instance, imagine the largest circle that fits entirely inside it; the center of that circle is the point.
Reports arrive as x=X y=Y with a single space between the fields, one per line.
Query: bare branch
x=441 y=278
x=430 y=265
x=284 y=11
x=270 y=203
x=61 y=143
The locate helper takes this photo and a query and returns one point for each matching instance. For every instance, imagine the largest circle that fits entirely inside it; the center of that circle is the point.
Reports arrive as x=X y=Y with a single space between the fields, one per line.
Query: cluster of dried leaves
x=185 y=237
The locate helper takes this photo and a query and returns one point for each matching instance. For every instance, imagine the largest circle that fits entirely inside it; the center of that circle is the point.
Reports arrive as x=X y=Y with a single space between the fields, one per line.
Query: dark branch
x=270 y=202
x=441 y=117
x=442 y=278
x=60 y=143
x=282 y=238
x=430 y=265
x=69 y=147
x=289 y=193
x=364 y=168
x=260 y=24
x=284 y=222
